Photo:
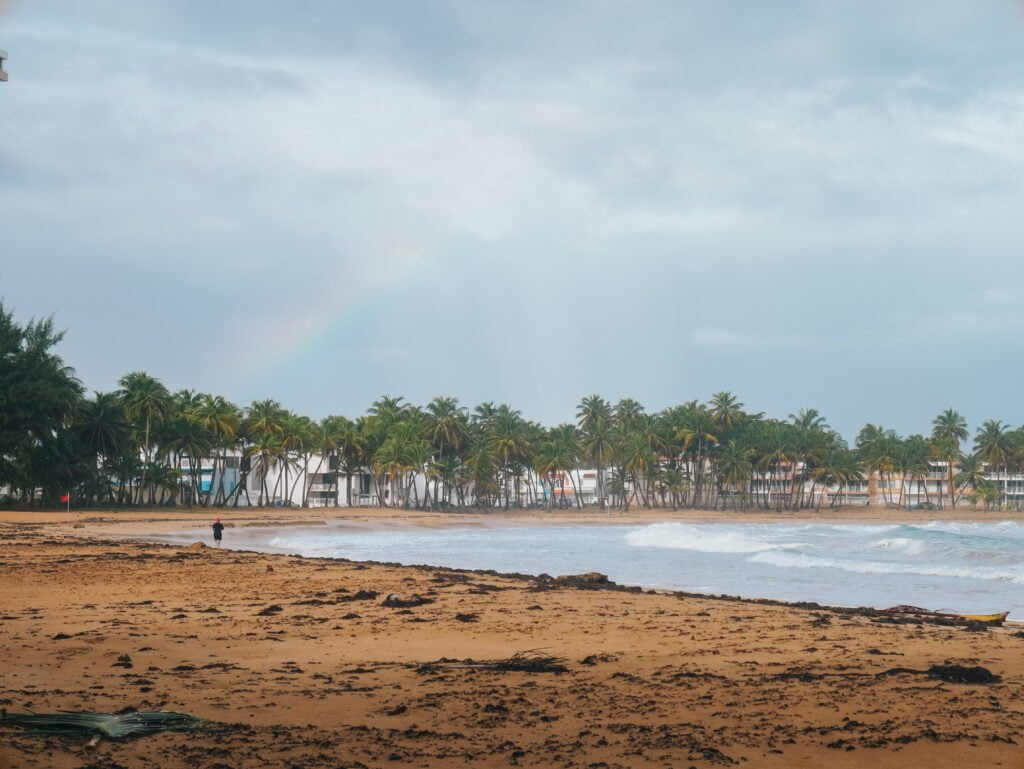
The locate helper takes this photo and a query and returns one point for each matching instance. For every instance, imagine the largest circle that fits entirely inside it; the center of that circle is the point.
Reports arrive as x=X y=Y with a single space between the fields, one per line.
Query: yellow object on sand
x=1001 y=617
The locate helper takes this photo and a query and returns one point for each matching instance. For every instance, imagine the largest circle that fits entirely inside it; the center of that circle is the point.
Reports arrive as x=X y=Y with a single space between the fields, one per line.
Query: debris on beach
x=960 y=674
x=592 y=580
x=530 y=661
x=395 y=601
x=114 y=726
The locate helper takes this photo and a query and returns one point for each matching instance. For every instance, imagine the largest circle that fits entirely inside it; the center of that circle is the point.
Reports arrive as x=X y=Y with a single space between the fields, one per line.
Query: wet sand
x=296 y=663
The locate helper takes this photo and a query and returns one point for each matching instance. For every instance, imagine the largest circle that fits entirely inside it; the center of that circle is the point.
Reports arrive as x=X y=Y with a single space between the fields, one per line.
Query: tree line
x=144 y=445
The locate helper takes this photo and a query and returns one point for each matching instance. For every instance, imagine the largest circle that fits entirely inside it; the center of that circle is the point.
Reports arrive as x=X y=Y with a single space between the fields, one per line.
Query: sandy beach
x=296 y=662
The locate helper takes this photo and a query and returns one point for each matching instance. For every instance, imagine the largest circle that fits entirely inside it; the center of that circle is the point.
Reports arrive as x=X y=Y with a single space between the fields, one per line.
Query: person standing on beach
x=218 y=530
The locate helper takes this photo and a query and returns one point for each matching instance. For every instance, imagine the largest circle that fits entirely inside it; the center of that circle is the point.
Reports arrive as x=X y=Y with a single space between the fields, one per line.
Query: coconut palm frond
x=112 y=725
x=533 y=661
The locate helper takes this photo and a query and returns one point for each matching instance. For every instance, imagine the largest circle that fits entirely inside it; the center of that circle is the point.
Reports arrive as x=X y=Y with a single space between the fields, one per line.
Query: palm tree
x=144 y=397
x=511 y=444
x=698 y=432
x=946 y=450
x=877 y=450
x=735 y=470
x=104 y=431
x=349 y=439
x=970 y=475
x=388 y=410
x=267 y=450
x=223 y=419
x=187 y=438
x=838 y=467
x=677 y=484
x=726 y=410
x=299 y=438
x=637 y=457
x=994 y=446
x=568 y=450
x=482 y=462
x=598 y=446
x=951 y=428
x=265 y=416
x=809 y=419
x=776 y=455
x=591 y=410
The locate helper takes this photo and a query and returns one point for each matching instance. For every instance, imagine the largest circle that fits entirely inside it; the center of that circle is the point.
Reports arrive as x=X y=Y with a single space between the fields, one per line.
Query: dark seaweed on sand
x=529 y=661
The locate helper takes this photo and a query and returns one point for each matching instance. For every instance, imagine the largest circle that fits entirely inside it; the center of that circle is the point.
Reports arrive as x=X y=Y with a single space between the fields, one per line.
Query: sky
x=810 y=204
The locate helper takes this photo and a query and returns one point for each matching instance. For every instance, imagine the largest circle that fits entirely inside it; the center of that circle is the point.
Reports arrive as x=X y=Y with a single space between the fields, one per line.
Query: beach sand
x=296 y=663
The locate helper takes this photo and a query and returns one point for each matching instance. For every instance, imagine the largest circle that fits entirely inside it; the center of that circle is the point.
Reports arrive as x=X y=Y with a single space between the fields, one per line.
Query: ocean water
x=965 y=567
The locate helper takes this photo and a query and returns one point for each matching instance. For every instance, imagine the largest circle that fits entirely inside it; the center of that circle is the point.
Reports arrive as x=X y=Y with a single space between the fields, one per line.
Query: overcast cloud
x=810 y=204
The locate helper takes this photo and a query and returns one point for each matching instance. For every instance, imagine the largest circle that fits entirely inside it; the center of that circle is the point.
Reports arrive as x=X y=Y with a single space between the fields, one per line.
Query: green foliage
x=145 y=445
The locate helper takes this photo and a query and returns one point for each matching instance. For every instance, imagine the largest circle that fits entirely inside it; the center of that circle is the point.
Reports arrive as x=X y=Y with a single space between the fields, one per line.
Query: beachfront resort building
x=236 y=480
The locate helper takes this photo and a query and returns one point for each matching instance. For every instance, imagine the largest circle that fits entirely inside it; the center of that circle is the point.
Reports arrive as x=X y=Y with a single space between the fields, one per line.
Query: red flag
x=65 y=497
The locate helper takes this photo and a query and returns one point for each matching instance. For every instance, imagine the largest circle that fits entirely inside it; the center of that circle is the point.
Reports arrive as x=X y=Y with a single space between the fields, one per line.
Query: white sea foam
x=804 y=561
x=901 y=544
x=682 y=536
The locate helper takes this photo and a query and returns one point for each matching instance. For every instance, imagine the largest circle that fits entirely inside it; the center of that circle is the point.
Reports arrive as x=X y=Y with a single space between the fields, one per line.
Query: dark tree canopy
x=39 y=398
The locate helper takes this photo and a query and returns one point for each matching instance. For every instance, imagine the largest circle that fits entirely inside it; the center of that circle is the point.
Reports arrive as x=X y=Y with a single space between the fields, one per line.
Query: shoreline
x=299 y=660
x=253 y=535
x=133 y=521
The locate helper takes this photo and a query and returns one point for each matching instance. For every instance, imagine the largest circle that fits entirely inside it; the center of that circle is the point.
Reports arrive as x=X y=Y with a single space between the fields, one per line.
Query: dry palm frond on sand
x=112 y=725
x=530 y=661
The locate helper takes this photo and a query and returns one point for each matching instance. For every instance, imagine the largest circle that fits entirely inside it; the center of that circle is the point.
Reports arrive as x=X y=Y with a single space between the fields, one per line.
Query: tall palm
x=591 y=410
x=775 y=456
x=265 y=416
x=569 y=448
x=223 y=419
x=267 y=450
x=735 y=470
x=511 y=443
x=388 y=410
x=350 y=442
x=628 y=413
x=994 y=446
x=947 y=450
x=677 y=483
x=950 y=427
x=809 y=419
x=598 y=445
x=447 y=424
x=483 y=463
x=914 y=461
x=187 y=438
x=877 y=449
x=102 y=427
x=698 y=433
x=637 y=457
x=726 y=409
x=970 y=475
x=144 y=397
